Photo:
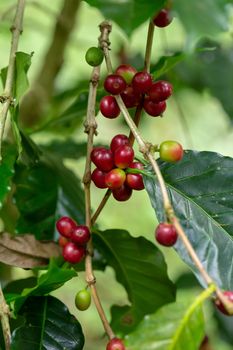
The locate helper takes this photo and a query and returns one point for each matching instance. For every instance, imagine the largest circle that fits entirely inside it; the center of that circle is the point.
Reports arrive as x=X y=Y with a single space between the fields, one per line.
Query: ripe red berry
x=160 y=91
x=171 y=151
x=127 y=72
x=62 y=241
x=83 y=300
x=73 y=253
x=115 y=344
x=142 y=82
x=122 y=193
x=166 y=234
x=130 y=97
x=123 y=156
x=115 y=178
x=162 y=19
x=98 y=177
x=229 y=295
x=109 y=107
x=135 y=181
x=65 y=226
x=80 y=235
x=114 y=84
x=154 y=109
x=102 y=158
x=119 y=140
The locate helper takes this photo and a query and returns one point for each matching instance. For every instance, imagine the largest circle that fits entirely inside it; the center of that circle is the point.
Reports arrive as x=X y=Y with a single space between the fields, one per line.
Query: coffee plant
x=53 y=161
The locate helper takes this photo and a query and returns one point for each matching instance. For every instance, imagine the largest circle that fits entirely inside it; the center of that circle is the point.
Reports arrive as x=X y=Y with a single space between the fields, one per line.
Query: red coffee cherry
x=123 y=156
x=115 y=344
x=141 y=82
x=229 y=295
x=114 y=84
x=109 y=107
x=171 y=151
x=62 y=241
x=115 y=178
x=154 y=109
x=127 y=72
x=102 y=158
x=135 y=181
x=166 y=234
x=122 y=193
x=73 y=253
x=130 y=97
x=118 y=140
x=160 y=91
x=98 y=177
x=65 y=226
x=80 y=235
x=162 y=19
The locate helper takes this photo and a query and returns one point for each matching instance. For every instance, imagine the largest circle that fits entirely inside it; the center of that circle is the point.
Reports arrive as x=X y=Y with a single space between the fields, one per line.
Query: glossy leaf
x=6 y=170
x=48 y=325
x=141 y=268
x=137 y=11
x=176 y=326
x=47 y=282
x=66 y=148
x=200 y=187
x=166 y=63
x=201 y=18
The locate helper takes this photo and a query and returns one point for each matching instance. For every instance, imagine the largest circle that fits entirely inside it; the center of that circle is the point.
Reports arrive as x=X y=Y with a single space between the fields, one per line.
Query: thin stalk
x=6 y=99
x=146 y=149
x=90 y=128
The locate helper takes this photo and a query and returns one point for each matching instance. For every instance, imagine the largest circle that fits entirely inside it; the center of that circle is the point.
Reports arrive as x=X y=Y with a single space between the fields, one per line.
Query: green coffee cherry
x=83 y=299
x=94 y=56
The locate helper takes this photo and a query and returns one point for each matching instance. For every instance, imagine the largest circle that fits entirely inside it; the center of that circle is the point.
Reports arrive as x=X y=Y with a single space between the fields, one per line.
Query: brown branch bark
x=34 y=103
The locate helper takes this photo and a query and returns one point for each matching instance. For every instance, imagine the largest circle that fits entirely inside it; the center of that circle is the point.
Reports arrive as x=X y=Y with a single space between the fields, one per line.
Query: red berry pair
x=73 y=239
x=111 y=164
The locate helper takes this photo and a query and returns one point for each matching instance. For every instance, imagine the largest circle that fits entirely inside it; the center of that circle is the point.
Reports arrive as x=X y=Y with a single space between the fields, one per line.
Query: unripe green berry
x=94 y=56
x=83 y=299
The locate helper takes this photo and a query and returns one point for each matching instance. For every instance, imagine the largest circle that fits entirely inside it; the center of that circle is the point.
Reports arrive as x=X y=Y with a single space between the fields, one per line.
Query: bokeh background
x=199 y=116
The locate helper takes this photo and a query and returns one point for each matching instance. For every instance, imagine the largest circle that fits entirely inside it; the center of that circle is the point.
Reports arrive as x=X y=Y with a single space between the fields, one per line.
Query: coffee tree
x=50 y=225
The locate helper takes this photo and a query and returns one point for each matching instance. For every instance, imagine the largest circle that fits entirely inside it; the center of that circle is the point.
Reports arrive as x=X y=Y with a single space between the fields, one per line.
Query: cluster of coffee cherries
x=73 y=239
x=113 y=168
x=134 y=88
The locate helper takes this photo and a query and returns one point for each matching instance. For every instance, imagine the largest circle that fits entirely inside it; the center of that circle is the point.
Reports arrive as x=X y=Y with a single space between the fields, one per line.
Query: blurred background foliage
x=199 y=115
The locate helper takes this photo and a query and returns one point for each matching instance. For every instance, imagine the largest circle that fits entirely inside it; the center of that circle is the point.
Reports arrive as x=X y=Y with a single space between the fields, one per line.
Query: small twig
x=4 y=315
x=90 y=128
x=8 y=89
x=101 y=206
x=146 y=148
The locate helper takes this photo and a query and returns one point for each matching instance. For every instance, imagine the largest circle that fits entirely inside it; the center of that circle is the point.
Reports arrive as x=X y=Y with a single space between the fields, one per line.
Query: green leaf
x=137 y=11
x=22 y=64
x=200 y=187
x=48 y=325
x=166 y=63
x=67 y=148
x=6 y=170
x=49 y=281
x=201 y=18
x=141 y=268
x=36 y=198
x=176 y=326
x=210 y=70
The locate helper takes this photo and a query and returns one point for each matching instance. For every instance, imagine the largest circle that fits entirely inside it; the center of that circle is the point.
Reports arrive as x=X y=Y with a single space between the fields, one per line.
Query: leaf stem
x=90 y=128
x=146 y=149
x=6 y=99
